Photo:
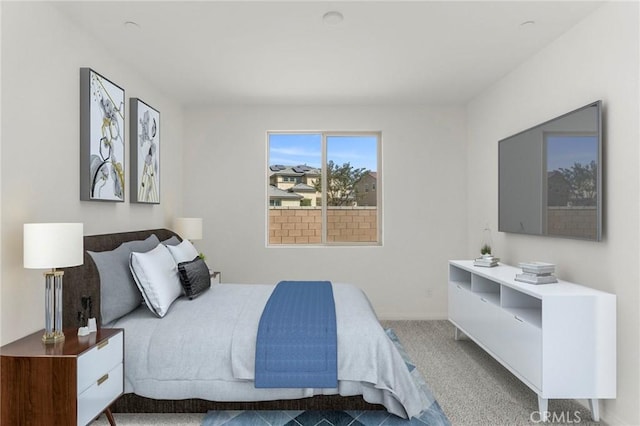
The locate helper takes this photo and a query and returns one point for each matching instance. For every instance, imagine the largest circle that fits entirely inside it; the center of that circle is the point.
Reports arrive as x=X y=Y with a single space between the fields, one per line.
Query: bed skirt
x=132 y=403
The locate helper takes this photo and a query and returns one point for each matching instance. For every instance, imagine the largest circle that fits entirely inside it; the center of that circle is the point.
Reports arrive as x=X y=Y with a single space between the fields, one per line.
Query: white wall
x=42 y=53
x=424 y=223
x=597 y=59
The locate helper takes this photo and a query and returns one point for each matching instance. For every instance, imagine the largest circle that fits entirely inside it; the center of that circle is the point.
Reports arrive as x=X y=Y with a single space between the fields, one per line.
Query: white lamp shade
x=189 y=228
x=53 y=245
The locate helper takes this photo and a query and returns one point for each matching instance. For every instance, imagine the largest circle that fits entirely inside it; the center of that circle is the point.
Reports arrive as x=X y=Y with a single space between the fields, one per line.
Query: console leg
x=594 y=404
x=543 y=408
x=457 y=334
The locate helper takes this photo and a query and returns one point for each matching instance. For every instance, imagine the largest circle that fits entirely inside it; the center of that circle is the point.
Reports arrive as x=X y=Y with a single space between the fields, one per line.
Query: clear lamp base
x=53 y=307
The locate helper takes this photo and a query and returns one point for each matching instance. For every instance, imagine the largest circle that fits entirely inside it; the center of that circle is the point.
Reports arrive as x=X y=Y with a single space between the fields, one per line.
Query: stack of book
x=537 y=273
x=486 y=261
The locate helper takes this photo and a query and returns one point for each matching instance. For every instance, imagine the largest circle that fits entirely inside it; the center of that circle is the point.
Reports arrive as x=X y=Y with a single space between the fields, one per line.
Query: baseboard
x=403 y=316
x=606 y=416
x=609 y=418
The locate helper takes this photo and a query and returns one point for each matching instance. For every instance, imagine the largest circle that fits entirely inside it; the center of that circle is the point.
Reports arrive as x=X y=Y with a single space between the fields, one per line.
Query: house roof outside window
x=300 y=170
x=275 y=194
x=302 y=187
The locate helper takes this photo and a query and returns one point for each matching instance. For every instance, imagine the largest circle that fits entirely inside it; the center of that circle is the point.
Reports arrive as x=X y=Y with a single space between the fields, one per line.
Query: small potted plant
x=485 y=250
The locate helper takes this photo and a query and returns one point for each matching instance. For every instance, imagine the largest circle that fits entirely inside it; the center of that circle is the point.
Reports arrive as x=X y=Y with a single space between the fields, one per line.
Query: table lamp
x=51 y=246
x=189 y=228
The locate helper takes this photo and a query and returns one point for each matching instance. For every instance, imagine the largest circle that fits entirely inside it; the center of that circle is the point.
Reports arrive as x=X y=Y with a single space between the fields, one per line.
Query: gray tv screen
x=550 y=177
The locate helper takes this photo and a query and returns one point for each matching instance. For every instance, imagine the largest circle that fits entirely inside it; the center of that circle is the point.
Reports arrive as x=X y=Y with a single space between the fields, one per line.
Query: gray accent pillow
x=173 y=241
x=119 y=294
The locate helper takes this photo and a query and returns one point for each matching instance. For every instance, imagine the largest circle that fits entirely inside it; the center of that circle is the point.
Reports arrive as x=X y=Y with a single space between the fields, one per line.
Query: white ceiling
x=240 y=52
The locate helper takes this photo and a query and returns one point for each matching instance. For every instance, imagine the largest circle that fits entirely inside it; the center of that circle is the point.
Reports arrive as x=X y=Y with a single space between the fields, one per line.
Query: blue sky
x=293 y=149
x=563 y=151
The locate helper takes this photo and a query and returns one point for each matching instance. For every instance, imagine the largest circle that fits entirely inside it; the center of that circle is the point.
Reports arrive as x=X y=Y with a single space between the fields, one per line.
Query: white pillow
x=183 y=252
x=156 y=274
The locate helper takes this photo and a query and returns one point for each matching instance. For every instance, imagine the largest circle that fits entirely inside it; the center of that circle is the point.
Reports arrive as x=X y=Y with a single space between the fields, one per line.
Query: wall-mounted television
x=550 y=177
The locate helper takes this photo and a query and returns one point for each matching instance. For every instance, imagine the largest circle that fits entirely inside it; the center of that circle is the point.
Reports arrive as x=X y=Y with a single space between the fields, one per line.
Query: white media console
x=559 y=339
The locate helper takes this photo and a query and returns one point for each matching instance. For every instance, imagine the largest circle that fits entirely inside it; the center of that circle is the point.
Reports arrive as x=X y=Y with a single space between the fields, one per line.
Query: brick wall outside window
x=303 y=225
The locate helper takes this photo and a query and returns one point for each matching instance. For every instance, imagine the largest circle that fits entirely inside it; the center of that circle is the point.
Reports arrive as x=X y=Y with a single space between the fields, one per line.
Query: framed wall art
x=102 y=151
x=145 y=153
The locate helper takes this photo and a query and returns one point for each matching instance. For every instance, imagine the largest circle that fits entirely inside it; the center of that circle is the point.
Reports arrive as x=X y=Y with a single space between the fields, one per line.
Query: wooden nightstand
x=67 y=383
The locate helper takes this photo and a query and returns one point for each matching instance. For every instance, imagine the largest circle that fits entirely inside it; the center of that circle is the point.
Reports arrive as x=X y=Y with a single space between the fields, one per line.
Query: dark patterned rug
x=432 y=414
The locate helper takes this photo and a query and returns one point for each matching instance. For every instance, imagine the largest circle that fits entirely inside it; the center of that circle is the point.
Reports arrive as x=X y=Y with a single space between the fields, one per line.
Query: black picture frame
x=144 y=142
x=102 y=144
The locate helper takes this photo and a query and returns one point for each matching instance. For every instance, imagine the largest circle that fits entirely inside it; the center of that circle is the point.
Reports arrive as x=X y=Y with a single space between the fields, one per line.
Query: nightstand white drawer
x=99 y=360
x=100 y=394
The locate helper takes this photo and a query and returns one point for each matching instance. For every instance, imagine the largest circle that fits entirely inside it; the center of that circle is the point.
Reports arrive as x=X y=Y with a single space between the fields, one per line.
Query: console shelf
x=559 y=339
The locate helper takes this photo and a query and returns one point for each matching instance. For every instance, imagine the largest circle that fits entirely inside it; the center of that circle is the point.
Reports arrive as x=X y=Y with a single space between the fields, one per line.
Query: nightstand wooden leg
x=109 y=415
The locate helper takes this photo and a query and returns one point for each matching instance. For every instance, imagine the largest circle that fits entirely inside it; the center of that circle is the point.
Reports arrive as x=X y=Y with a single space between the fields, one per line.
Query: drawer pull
x=519 y=319
x=483 y=299
x=103 y=379
x=103 y=344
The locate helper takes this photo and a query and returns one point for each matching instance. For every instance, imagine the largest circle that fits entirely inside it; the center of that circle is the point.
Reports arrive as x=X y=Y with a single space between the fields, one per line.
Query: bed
x=201 y=354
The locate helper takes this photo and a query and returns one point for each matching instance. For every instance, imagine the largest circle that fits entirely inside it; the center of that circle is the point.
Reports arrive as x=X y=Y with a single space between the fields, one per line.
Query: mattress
x=205 y=348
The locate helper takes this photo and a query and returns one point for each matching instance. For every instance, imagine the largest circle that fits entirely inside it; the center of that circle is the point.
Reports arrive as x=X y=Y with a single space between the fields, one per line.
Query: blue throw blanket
x=297 y=344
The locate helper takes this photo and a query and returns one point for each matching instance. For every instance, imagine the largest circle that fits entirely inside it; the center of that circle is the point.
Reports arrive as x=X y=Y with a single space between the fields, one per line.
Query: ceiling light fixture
x=333 y=17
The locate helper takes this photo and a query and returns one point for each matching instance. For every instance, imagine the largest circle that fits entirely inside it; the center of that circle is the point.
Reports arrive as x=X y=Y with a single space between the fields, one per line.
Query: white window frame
x=378 y=189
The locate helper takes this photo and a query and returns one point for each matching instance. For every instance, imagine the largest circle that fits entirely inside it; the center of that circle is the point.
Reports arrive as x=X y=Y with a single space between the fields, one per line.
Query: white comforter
x=205 y=348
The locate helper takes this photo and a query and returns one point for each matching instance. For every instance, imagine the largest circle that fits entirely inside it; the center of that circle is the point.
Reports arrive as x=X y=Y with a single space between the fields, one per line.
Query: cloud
x=295 y=152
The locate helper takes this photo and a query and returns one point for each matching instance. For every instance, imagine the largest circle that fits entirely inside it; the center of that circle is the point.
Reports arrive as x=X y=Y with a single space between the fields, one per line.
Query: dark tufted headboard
x=84 y=280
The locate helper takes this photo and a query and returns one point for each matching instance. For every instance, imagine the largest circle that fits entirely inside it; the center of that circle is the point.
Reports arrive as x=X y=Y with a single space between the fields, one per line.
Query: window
x=325 y=183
